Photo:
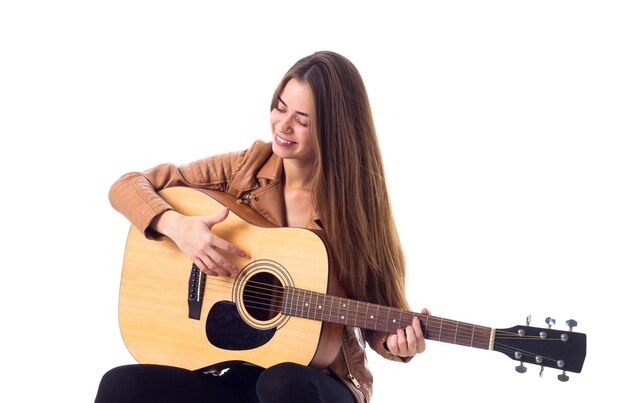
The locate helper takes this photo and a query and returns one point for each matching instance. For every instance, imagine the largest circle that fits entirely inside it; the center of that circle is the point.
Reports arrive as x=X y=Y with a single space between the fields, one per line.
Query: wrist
x=166 y=222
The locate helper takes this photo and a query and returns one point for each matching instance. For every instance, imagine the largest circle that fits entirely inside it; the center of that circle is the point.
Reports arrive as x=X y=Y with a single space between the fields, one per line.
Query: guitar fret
x=315 y=310
x=377 y=315
x=339 y=310
x=285 y=302
x=300 y=301
x=289 y=301
x=440 y=329
x=317 y=305
x=314 y=305
x=296 y=299
x=392 y=312
x=387 y=321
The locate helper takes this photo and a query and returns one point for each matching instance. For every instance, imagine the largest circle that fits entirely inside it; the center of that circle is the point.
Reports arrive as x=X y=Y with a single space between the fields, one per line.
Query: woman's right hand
x=193 y=236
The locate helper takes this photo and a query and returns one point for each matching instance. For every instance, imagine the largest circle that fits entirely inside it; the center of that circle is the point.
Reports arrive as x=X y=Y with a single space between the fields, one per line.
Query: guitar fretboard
x=328 y=308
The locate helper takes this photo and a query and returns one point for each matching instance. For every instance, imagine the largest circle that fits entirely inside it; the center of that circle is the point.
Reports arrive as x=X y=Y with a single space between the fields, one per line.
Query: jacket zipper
x=247 y=198
x=350 y=376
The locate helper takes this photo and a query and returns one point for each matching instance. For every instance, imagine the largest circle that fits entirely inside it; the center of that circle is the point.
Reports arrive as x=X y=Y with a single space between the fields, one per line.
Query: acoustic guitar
x=283 y=306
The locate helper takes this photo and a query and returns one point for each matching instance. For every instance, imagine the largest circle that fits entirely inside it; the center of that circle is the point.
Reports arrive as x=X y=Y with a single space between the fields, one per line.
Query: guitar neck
x=327 y=308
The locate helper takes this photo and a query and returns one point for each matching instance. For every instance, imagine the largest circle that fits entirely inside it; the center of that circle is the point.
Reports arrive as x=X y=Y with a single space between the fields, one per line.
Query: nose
x=285 y=123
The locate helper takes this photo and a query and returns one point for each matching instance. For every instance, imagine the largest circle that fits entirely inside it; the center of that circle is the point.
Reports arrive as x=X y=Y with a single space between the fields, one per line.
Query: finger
x=220 y=264
x=425 y=311
x=401 y=342
x=210 y=267
x=419 y=336
x=392 y=344
x=228 y=247
x=217 y=218
x=411 y=337
x=203 y=267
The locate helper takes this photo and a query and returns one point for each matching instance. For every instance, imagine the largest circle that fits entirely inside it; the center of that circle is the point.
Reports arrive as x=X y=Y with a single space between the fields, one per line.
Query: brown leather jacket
x=254 y=176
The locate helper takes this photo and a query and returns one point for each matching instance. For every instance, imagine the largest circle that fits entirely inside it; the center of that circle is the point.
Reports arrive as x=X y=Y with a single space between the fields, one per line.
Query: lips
x=283 y=141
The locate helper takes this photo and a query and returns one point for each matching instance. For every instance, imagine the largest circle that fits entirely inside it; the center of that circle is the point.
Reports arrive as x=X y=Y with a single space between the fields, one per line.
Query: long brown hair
x=349 y=188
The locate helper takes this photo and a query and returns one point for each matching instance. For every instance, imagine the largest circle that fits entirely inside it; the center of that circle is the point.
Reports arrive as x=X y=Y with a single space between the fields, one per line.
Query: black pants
x=162 y=384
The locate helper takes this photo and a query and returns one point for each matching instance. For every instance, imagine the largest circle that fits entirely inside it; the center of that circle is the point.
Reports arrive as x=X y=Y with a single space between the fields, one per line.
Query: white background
x=501 y=125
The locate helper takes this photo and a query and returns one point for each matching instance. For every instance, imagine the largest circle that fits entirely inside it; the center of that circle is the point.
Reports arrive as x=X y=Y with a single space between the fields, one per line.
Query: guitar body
x=172 y=314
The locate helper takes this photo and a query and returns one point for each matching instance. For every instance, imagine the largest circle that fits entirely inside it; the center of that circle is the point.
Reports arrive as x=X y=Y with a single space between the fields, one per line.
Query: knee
x=115 y=384
x=281 y=382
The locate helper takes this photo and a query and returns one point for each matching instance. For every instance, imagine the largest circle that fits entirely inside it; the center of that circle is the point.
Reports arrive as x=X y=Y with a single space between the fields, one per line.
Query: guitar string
x=502 y=347
x=506 y=348
x=458 y=327
x=446 y=324
x=475 y=339
x=443 y=328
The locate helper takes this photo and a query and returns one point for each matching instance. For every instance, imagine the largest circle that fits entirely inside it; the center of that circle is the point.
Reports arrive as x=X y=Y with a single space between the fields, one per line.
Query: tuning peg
x=528 y=320
x=550 y=321
x=571 y=323
x=562 y=377
x=539 y=360
x=520 y=368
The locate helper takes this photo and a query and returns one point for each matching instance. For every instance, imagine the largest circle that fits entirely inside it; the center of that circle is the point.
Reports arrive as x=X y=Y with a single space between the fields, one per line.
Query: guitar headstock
x=552 y=348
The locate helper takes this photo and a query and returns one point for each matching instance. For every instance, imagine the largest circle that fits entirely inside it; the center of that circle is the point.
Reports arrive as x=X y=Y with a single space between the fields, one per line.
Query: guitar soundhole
x=263 y=296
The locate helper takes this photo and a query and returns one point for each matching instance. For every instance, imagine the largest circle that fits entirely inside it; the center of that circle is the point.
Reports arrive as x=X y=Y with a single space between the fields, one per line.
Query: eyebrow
x=298 y=112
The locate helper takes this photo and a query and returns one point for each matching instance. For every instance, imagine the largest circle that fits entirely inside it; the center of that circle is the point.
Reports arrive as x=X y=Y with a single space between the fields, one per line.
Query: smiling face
x=291 y=120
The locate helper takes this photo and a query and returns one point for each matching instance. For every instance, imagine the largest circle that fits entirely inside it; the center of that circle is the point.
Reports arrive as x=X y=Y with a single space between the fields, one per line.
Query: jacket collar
x=272 y=170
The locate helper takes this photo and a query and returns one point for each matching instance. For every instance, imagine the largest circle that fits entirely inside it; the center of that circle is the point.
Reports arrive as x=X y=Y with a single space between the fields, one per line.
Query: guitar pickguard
x=227 y=330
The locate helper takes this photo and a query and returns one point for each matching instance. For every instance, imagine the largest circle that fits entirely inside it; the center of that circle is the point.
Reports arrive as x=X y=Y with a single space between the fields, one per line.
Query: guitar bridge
x=197 y=281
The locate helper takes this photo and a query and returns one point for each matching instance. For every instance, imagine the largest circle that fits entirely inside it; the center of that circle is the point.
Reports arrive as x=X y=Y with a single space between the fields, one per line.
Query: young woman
x=322 y=170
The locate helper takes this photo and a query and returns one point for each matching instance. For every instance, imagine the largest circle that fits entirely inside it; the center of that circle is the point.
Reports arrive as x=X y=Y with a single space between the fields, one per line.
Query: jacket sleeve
x=135 y=194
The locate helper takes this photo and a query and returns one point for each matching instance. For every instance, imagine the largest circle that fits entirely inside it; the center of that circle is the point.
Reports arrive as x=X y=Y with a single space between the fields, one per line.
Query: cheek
x=305 y=134
x=274 y=117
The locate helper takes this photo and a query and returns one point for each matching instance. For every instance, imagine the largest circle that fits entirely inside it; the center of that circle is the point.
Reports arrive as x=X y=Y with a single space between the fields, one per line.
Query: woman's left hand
x=408 y=342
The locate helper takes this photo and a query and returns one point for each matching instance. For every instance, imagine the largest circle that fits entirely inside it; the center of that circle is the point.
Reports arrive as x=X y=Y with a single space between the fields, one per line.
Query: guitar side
x=154 y=312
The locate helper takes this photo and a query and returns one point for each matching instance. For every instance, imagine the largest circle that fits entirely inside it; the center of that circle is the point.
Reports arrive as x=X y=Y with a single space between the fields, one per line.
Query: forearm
x=135 y=195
